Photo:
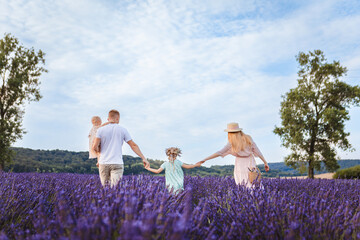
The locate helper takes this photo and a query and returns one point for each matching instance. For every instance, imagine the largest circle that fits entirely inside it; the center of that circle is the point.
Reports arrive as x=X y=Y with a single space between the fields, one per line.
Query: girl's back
x=174 y=175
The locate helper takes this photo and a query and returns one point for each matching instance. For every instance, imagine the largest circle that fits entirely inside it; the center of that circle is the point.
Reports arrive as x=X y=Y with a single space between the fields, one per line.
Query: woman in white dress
x=244 y=149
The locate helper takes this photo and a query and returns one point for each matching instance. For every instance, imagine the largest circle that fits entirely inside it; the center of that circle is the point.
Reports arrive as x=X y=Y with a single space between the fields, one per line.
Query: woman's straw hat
x=233 y=127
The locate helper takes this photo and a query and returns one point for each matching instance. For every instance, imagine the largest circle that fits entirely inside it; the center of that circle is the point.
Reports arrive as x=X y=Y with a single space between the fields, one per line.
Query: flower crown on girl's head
x=173 y=151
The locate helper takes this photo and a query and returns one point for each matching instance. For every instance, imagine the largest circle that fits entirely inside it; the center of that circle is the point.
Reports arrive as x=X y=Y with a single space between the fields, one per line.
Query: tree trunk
x=310 y=170
x=311 y=158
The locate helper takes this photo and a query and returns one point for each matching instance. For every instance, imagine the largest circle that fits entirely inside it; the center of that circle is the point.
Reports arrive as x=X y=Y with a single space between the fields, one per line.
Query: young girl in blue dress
x=174 y=175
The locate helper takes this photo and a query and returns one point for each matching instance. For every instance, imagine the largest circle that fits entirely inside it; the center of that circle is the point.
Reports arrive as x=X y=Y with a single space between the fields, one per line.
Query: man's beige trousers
x=110 y=174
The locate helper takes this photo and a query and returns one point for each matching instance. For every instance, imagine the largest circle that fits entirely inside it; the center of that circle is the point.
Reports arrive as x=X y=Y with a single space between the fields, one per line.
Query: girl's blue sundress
x=174 y=175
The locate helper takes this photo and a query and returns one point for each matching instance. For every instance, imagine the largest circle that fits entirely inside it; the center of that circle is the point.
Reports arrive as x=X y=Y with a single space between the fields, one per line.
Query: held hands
x=146 y=163
x=198 y=164
x=203 y=161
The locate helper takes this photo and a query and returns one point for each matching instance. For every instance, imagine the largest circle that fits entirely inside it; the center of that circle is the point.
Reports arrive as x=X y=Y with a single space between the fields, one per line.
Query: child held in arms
x=96 y=122
x=174 y=175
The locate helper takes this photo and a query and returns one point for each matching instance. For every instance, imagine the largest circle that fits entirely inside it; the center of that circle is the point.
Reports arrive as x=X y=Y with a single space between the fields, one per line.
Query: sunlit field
x=74 y=206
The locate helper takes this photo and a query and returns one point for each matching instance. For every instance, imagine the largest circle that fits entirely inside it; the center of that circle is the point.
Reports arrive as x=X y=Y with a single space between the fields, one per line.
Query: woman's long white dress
x=244 y=160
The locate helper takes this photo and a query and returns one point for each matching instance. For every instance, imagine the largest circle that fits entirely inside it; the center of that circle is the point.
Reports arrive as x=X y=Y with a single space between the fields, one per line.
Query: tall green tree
x=314 y=113
x=20 y=70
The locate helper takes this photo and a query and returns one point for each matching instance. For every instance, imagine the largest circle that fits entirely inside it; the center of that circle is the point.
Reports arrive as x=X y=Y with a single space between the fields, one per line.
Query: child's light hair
x=239 y=141
x=173 y=152
x=96 y=120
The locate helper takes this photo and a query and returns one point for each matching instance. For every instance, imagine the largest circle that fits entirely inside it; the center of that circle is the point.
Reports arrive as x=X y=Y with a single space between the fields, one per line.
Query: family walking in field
x=106 y=140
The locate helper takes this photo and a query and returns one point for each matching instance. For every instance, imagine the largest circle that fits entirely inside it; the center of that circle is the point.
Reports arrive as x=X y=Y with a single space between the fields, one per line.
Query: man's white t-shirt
x=112 y=138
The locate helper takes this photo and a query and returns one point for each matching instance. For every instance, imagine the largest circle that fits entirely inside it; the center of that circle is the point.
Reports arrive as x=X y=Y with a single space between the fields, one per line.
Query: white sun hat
x=233 y=127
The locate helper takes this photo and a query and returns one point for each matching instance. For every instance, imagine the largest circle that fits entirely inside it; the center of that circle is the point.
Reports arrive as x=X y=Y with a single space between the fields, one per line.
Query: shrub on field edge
x=348 y=173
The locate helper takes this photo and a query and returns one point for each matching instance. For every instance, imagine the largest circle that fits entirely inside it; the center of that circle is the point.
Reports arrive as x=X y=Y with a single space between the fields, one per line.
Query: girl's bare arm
x=154 y=170
x=189 y=166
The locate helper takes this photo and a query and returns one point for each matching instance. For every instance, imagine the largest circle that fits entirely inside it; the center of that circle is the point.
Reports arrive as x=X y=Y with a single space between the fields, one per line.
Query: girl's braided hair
x=173 y=152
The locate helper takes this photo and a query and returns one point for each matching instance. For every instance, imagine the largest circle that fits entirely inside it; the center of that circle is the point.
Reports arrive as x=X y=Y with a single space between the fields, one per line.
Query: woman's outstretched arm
x=215 y=155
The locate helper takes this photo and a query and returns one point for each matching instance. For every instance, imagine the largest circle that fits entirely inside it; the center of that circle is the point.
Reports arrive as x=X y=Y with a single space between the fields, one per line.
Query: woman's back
x=249 y=148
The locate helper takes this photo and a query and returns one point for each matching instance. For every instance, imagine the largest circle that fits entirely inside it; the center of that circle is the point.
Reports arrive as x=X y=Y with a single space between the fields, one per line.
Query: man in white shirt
x=110 y=138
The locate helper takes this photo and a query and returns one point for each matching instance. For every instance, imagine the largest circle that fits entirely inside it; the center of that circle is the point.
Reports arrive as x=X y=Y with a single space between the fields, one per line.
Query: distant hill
x=29 y=160
x=279 y=169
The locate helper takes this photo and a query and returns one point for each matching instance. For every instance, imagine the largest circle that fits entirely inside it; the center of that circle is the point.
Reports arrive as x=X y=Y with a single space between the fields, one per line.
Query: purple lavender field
x=73 y=206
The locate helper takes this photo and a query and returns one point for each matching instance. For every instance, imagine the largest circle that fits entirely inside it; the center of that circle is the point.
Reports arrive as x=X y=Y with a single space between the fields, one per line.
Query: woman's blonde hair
x=239 y=141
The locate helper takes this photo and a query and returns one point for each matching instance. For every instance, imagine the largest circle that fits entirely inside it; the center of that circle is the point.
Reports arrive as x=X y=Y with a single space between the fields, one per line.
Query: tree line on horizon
x=62 y=161
x=313 y=114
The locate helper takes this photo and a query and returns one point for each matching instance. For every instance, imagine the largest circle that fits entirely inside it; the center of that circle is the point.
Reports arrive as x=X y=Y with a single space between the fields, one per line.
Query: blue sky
x=178 y=71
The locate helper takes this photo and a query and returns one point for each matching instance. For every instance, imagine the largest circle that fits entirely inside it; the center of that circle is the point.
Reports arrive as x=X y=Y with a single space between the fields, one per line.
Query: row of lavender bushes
x=74 y=206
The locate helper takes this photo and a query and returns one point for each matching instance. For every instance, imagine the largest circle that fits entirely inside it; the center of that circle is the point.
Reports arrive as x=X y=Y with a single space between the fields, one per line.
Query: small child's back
x=92 y=136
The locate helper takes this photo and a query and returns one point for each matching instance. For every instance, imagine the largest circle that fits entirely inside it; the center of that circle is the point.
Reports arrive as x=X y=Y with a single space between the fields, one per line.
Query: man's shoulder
x=105 y=128
x=101 y=128
x=121 y=128
x=112 y=127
